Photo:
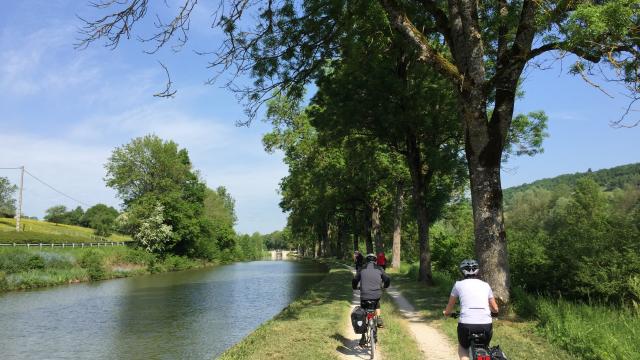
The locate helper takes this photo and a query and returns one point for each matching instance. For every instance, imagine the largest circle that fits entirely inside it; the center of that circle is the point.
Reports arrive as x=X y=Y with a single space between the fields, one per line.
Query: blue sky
x=63 y=111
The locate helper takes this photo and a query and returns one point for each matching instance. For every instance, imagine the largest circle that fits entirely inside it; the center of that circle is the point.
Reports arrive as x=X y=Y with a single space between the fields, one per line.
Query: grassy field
x=553 y=329
x=35 y=231
x=311 y=327
x=21 y=268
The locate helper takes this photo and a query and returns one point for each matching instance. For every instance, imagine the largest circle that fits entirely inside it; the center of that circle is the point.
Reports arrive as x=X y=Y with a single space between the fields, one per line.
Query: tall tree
x=150 y=174
x=56 y=214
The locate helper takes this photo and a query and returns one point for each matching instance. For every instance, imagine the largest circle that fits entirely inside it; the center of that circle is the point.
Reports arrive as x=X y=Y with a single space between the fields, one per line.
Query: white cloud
x=32 y=63
x=565 y=116
x=158 y=118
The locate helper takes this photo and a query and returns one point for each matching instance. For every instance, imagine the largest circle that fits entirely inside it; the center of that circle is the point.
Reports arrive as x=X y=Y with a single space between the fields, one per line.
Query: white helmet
x=469 y=267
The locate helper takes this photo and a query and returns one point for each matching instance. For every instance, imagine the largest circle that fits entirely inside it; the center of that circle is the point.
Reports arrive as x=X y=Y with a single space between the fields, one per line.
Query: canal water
x=194 y=314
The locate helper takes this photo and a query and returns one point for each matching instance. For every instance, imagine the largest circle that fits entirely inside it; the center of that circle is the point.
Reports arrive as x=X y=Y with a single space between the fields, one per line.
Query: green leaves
x=7 y=202
x=526 y=135
x=162 y=194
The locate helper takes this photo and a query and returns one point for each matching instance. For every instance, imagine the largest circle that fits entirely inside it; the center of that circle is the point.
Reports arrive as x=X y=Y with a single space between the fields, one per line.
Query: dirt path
x=433 y=343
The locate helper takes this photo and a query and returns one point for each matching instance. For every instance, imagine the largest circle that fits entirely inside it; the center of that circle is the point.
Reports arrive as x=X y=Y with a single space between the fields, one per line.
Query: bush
x=92 y=261
x=14 y=260
x=177 y=263
x=36 y=263
x=57 y=260
x=524 y=304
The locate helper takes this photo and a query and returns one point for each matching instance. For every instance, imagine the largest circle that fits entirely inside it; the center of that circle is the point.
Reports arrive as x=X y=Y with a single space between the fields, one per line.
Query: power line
x=56 y=190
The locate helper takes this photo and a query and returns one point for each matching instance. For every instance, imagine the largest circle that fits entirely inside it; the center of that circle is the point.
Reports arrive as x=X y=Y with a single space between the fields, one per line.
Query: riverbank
x=312 y=326
x=25 y=269
x=542 y=328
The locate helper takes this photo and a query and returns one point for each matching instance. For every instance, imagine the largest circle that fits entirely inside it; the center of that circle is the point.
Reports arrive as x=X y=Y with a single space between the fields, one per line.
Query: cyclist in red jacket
x=381 y=260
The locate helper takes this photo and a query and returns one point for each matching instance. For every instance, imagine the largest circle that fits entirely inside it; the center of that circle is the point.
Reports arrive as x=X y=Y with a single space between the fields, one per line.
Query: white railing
x=63 y=245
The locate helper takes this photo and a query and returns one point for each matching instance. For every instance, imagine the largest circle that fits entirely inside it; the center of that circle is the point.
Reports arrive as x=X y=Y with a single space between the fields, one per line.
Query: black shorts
x=465 y=329
x=374 y=304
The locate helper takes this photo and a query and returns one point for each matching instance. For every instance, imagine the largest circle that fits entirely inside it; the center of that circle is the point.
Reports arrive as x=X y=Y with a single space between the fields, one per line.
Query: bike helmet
x=469 y=267
x=371 y=257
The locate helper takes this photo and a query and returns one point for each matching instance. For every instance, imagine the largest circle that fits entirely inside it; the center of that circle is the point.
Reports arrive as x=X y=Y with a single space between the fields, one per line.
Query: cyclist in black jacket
x=371 y=279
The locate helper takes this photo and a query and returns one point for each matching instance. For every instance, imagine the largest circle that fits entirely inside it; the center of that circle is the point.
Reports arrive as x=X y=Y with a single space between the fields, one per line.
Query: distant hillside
x=610 y=179
x=35 y=231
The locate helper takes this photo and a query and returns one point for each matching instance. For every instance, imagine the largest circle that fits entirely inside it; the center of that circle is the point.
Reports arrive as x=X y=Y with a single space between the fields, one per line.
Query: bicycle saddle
x=369 y=304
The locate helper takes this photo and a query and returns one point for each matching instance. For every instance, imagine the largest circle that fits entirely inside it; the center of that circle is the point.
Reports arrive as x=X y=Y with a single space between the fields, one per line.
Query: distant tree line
x=99 y=217
x=578 y=241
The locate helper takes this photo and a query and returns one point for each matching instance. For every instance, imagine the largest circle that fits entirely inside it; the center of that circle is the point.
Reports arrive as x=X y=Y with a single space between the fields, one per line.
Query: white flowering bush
x=153 y=234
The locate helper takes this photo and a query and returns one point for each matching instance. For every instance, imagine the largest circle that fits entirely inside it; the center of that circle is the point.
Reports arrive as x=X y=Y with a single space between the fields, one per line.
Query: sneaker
x=362 y=342
x=380 y=322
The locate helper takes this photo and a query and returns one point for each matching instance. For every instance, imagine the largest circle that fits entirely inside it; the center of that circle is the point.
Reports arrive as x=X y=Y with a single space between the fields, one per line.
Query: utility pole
x=19 y=212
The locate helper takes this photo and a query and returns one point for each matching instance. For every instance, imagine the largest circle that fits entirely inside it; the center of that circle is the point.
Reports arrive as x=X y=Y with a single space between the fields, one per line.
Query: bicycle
x=371 y=333
x=477 y=340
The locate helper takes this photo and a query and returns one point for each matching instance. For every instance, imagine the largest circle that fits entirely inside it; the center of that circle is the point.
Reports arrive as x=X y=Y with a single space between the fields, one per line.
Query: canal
x=194 y=314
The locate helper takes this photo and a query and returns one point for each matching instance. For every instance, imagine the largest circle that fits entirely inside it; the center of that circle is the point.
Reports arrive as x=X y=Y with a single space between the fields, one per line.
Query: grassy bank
x=592 y=332
x=35 y=231
x=520 y=339
x=24 y=269
x=311 y=327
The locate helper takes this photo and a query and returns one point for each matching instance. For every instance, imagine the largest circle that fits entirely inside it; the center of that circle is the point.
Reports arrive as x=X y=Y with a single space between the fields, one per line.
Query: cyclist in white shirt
x=477 y=304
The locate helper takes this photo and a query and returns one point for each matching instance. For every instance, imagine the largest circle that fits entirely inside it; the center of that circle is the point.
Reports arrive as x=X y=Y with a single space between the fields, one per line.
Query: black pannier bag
x=497 y=353
x=359 y=320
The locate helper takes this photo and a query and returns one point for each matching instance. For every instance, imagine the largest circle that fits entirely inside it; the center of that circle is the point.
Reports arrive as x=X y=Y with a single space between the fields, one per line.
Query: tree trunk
x=340 y=241
x=356 y=240
x=316 y=248
x=397 y=225
x=483 y=146
x=418 y=181
x=490 y=237
x=375 y=226
x=367 y=231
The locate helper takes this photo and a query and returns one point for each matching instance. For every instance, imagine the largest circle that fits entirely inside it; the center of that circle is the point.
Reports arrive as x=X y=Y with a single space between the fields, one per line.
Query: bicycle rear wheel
x=372 y=337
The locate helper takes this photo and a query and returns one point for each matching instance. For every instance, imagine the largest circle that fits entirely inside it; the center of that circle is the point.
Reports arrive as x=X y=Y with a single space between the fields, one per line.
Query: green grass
x=590 y=331
x=44 y=232
x=312 y=326
x=395 y=338
x=22 y=268
x=518 y=338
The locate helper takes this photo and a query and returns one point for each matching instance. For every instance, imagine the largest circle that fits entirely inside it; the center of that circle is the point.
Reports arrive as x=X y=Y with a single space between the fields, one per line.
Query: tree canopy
x=7 y=202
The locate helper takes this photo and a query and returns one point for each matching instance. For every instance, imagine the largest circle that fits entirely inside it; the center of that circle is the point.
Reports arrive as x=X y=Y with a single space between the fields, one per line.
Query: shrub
x=524 y=304
x=35 y=262
x=92 y=260
x=57 y=260
x=177 y=263
x=14 y=260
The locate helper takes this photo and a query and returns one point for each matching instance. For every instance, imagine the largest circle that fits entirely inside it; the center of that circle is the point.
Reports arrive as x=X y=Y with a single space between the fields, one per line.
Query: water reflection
x=186 y=315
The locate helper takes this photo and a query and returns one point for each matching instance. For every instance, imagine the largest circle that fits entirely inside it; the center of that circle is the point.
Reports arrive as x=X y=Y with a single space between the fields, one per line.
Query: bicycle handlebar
x=456 y=314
